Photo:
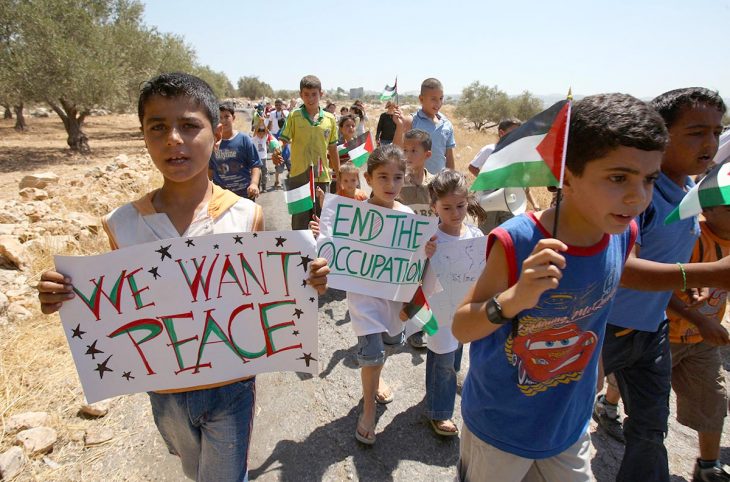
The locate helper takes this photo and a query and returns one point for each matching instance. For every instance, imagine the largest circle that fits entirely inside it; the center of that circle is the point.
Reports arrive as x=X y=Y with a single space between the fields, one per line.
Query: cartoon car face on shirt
x=545 y=355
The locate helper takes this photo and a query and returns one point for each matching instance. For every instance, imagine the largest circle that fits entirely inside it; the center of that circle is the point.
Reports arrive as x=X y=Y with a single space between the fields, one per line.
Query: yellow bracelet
x=684 y=276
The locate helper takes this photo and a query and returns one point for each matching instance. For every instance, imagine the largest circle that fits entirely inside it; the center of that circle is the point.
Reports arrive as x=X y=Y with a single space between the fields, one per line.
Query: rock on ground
x=38 y=440
x=26 y=420
x=11 y=462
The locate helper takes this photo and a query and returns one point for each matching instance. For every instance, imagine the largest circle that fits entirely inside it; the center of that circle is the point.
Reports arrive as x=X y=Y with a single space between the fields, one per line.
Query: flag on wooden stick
x=301 y=199
x=712 y=190
x=389 y=92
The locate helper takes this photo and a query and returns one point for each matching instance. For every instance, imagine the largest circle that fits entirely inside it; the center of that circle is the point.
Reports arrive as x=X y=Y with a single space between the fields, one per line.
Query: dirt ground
x=304 y=425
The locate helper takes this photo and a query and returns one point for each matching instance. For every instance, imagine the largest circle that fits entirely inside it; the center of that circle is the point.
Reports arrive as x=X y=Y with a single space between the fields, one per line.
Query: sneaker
x=611 y=425
x=417 y=340
x=717 y=473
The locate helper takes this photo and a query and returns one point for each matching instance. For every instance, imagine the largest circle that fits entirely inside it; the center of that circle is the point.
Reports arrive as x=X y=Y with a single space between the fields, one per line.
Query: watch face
x=494 y=313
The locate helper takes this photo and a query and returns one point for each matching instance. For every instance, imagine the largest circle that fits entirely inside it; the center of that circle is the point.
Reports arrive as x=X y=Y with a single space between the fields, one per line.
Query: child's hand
x=318 y=271
x=431 y=246
x=714 y=333
x=276 y=157
x=53 y=289
x=397 y=116
x=541 y=271
x=697 y=296
x=320 y=195
x=252 y=191
x=314 y=225
x=402 y=314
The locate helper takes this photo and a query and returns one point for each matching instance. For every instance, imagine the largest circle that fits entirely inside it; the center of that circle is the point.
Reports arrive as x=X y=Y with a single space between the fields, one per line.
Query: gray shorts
x=371 y=348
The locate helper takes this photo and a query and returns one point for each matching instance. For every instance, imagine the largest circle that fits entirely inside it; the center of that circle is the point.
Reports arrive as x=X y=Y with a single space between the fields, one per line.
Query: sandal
x=438 y=427
x=364 y=438
x=384 y=399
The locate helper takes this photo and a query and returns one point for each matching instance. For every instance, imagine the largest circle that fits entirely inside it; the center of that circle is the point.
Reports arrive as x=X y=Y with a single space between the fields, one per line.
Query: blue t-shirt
x=664 y=243
x=233 y=162
x=532 y=395
x=442 y=138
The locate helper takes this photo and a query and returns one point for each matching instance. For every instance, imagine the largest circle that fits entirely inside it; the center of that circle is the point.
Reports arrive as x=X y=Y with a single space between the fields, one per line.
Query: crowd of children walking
x=548 y=317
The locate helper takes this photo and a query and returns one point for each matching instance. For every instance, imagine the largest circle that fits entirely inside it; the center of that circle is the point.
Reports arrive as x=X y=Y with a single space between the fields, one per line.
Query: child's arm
x=645 y=275
x=474 y=170
x=53 y=289
x=314 y=225
x=402 y=125
x=334 y=157
x=540 y=271
x=711 y=330
x=450 y=158
x=529 y=196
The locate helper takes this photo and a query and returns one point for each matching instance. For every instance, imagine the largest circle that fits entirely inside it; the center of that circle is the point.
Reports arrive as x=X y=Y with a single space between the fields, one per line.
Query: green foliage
x=217 y=80
x=253 y=88
x=285 y=94
x=482 y=104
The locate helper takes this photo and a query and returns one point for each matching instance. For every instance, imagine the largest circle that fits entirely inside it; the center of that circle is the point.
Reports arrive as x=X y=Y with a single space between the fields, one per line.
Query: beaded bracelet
x=684 y=276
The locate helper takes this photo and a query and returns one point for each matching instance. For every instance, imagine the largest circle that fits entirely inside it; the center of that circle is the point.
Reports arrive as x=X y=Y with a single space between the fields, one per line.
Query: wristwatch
x=494 y=312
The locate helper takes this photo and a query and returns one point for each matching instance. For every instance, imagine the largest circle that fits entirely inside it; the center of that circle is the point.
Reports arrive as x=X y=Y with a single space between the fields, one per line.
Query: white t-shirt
x=482 y=156
x=376 y=315
x=274 y=117
x=443 y=341
x=261 y=144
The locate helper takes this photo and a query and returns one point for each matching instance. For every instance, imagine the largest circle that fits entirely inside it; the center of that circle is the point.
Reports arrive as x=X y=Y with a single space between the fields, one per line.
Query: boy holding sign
x=537 y=315
x=208 y=427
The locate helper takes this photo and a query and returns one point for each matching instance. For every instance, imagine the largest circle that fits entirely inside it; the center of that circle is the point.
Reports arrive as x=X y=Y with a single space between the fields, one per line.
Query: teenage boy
x=235 y=165
x=429 y=119
x=207 y=427
x=537 y=315
x=312 y=133
x=695 y=336
x=636 y=349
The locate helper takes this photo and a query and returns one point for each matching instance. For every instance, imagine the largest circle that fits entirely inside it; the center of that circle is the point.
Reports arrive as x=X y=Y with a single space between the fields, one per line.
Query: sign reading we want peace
x=187 y=312
x=373 y=250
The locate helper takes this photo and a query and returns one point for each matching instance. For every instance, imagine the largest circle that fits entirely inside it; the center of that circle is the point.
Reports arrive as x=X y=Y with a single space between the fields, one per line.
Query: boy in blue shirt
x=434 y=123
x=536 y=317
x=235 y=165
x=636 y=349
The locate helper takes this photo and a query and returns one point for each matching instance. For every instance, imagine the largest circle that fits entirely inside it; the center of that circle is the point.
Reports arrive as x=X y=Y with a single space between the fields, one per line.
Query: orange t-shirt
x=359 y=195
x=709 y=247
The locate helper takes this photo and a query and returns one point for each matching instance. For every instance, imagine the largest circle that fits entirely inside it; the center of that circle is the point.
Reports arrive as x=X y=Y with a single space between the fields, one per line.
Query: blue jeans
x=642 y=364
x=208 y=429
x=441 y=383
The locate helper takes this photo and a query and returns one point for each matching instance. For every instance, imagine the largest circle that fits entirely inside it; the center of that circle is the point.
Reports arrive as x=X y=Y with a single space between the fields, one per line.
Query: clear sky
x=642 y=47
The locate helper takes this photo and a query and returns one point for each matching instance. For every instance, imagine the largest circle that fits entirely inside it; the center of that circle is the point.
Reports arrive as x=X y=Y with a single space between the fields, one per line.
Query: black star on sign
x=305 y=262
x=215 y=246
x=298 y=313
x=238 y=239
x=154 y=272
x=307 y=358
x=189 y=242
x=128 y=376
x=304 y=282
x=164 y=252
x=295 y=332
x=77 y=332
x=311 y=298
x=101 y=367
x=255 y=235
x=280 y=241
x=92 y=350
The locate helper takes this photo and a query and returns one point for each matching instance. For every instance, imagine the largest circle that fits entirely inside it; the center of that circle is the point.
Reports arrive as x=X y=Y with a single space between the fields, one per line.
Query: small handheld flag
x=712 y=190
x=531 y=155
x=389 y=92
x=358 y=149
x=419 y=311
x=723 y=150
x=301 y=199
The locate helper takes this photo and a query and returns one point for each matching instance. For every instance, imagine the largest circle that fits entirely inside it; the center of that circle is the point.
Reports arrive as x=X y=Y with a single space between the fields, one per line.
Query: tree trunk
x=73 y=121
x=8 y=113
x=20 y=124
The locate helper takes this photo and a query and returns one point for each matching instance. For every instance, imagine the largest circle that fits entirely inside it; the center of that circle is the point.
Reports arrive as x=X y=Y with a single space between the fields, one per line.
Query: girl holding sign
x=375 y=320
x=451 y=201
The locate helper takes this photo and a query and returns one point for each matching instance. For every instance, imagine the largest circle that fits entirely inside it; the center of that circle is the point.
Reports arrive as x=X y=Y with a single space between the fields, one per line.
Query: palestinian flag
x=531 y=155
x=712 y=190
x=358 y=149
x=389 y=92
x=723 y=150
x=301 y=199
x=419 y=311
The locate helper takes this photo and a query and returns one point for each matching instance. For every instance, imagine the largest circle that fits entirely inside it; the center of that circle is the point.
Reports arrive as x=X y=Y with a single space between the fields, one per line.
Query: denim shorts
x=371 y=348
x=208 y=429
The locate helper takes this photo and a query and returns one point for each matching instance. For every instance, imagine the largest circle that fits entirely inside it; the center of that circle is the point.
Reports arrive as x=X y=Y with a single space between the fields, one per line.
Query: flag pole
x=559 y=194
x=396 y=90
